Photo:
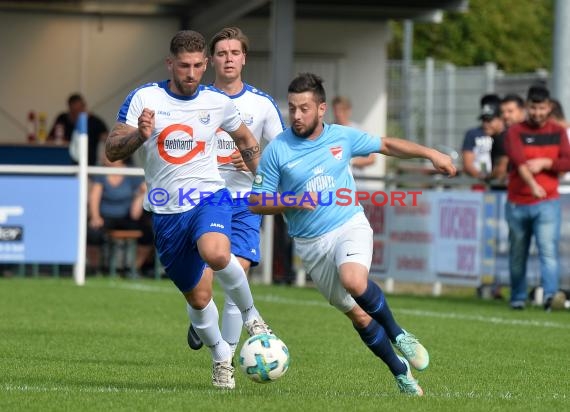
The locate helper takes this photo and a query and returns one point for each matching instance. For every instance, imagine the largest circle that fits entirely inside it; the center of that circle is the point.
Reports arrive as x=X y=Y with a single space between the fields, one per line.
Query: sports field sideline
x=120 y=345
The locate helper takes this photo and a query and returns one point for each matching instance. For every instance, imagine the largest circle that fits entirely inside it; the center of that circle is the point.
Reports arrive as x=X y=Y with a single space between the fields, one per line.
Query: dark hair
x=75 y=97
x=538 y=94
x=513 y=97
x=557 y=111
x=187 y=41
x=229 y=33
x=308 y=82
x=490 y=98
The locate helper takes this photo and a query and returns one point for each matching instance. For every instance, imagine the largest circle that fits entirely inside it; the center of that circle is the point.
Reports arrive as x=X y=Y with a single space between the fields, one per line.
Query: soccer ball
x=264 y=358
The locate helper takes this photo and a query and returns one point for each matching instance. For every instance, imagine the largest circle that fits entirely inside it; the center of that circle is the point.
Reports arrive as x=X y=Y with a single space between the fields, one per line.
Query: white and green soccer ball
x=264 y=358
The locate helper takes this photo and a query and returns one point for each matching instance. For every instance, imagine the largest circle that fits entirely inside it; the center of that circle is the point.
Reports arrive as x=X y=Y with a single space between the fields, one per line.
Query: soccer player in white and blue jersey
x=174 y=123
x=258 y=111
x=298 y=175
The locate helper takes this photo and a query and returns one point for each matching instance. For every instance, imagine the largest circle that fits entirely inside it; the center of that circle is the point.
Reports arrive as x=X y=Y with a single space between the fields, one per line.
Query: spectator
x=342 y=113
x=512 y=109
x=116 y=203
x=65 y=122
x=538 y=149
x=557 y=114
x=483 y=153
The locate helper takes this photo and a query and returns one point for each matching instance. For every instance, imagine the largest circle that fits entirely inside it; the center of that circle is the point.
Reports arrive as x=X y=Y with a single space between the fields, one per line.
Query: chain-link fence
x=434 y=103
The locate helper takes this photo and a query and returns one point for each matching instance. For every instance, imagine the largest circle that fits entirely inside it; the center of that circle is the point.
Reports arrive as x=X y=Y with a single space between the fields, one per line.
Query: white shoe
x=257 y=327
x=223 y=375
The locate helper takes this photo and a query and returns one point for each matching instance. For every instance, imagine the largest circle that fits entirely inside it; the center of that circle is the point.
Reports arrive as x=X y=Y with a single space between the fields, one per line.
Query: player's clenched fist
x=146 y=123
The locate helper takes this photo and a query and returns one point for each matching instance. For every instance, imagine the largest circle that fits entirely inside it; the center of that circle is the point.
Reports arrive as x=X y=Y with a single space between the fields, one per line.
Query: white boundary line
x=496 y=320
x=23 y=388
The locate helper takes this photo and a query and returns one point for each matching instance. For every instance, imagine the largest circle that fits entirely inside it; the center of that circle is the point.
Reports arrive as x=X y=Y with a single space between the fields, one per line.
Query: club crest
x=336 y=152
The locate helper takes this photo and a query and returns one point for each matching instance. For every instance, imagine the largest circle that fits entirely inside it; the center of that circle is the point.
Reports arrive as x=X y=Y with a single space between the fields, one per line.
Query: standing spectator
x=228 y=50
x=512 y=109
x=342 y=113
x=483 y=146
x=64 y=125
x=557 y=114
x=174 y=122
x=538 y=149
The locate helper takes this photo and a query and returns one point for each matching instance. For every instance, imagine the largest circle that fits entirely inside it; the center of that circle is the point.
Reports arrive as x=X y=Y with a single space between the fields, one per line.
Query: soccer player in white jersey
x=174 y=123
x=259 y=112
x=311 y=160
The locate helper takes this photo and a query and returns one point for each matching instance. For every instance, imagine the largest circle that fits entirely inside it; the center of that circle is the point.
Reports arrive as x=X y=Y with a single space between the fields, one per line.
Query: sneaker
x=406 y=382
x=257 y=327
x=558 y=300
x=223 y=375
x=193 y=339
x=412 y=350
x=517 y=305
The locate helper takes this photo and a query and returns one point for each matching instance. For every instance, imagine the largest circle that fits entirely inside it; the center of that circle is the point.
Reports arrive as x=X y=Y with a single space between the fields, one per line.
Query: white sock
x=232 y=323
x=234 y=282
x=205 y=324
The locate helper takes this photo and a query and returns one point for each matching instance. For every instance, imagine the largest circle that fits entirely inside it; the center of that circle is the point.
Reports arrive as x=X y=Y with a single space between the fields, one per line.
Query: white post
x=389 y=285
x=429 y=99
x=267 y=249
x=437 y=287
x=79 y=268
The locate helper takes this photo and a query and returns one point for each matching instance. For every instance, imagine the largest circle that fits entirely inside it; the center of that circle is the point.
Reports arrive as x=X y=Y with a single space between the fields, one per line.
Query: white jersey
x=262 y=117
x=180 y=156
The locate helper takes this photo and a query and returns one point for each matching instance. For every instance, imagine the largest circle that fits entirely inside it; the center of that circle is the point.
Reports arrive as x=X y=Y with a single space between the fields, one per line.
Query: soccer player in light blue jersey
x=298 y=175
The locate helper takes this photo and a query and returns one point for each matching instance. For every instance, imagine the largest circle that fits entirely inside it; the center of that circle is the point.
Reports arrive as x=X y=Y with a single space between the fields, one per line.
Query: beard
x=306 y=131
x=184 y=89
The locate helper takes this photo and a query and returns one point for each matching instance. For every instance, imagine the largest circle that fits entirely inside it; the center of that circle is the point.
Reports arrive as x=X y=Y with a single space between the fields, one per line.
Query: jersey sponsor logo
x=226 y=147
x=204 y=117
x=163 y=113
x=176 y=144
x=336 y=152
x=291 y=165
x=218 y=225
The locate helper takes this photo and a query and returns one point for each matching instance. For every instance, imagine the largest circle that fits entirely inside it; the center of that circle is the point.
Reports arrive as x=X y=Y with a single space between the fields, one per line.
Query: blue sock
x=373 y=302
x=377 y=341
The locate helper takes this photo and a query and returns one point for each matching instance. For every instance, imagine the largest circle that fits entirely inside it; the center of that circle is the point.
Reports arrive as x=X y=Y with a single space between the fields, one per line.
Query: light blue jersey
x=292 y=164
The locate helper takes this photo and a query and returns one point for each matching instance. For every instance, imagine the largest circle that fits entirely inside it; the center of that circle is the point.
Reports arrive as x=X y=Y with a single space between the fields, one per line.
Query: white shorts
x=322 y=256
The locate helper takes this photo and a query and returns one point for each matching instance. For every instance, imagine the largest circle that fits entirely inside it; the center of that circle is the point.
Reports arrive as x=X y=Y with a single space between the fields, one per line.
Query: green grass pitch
x=120 y=345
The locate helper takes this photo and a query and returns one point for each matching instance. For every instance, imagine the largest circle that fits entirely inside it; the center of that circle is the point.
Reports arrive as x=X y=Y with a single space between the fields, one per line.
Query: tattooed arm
x=248 y=146
x=124 y=140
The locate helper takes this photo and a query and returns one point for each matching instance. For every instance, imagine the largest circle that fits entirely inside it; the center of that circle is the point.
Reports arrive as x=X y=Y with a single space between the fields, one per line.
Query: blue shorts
x=245 y=232
x=177 y=234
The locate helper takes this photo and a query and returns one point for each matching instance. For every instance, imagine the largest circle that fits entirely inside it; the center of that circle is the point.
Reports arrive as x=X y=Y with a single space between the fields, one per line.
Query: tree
x=516 y=34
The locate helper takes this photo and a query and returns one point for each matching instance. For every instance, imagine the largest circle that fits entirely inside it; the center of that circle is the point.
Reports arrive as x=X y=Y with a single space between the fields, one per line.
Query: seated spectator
x=115 y=203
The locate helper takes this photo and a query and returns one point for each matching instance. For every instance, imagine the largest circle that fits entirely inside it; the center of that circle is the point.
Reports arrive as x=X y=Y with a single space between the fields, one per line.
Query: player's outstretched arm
x=247 y=146
x=275 y=203
x=124 y=140
x=405 y=149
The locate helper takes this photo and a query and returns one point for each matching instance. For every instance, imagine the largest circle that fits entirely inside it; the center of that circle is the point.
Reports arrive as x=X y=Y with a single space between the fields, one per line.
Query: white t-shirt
x=179 y=159
x=260 y=114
